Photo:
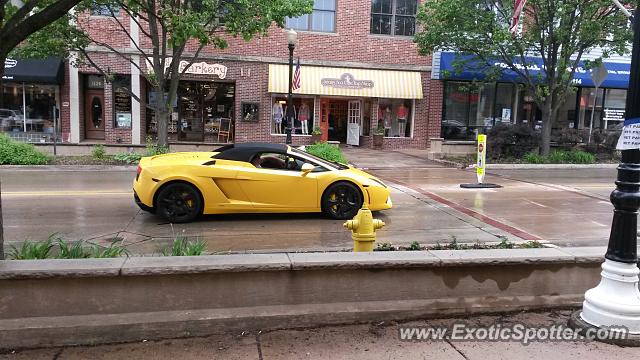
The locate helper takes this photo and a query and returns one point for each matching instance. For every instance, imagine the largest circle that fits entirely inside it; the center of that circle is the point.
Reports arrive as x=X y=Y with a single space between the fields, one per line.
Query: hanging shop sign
x=630 y=137
x=203 y=68
x=347 y=81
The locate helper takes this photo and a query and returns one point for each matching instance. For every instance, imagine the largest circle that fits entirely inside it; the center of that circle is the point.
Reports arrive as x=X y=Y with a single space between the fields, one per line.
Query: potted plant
x=378 y=137
x=316 y=134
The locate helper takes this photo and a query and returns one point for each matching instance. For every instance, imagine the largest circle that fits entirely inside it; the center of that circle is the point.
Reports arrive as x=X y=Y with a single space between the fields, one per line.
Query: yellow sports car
x=253 y=178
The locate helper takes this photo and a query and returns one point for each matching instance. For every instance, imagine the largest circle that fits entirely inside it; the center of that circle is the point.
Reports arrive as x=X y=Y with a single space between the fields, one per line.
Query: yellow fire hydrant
x=363 y=229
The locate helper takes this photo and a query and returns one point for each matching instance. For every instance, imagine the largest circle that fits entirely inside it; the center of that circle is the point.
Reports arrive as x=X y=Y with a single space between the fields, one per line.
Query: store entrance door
x=94 y=115
x=354 y=120
x=338 y=114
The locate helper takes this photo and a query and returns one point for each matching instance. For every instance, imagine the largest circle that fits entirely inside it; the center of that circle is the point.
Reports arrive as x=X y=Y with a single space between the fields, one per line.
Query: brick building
x=358 y=65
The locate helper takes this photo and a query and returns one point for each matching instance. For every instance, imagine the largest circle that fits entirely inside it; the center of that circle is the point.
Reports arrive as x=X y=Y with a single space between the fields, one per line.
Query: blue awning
x=618 y=72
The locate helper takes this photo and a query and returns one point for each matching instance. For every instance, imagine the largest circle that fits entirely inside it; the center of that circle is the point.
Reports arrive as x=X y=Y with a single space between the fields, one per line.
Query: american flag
x=518 y=7
x=296 y=77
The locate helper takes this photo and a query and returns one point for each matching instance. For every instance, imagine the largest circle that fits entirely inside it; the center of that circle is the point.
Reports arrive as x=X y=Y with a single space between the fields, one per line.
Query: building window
x=322 y=19
x=303 y=119
x=104 y=9
x=394 y=17
x=27 y=113
x=395 y=116
x=122 y=112
x=470 y=109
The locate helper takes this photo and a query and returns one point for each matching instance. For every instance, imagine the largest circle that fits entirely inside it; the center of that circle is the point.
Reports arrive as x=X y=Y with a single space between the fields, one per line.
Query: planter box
x=378 y=141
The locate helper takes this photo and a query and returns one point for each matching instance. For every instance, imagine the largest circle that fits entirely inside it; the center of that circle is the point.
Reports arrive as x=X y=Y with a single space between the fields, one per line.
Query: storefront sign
x=9 y=63
x=614 y=114
x=202 y=68
x=630 y=137
x=95 y=82
x=347 y=81
x=482 y=156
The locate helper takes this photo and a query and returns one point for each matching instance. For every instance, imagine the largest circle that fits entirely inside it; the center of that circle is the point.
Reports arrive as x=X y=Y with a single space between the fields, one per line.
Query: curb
x=548 y=166
x=69 y=167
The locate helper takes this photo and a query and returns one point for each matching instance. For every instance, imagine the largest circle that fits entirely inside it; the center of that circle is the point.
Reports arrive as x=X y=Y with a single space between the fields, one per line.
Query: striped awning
x=317 y=80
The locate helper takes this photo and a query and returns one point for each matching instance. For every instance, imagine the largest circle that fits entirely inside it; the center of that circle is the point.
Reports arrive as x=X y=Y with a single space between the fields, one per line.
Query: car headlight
x=379 y=182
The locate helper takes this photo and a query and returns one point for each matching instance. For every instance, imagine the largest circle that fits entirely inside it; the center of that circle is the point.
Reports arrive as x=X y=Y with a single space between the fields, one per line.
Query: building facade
x=359 y=69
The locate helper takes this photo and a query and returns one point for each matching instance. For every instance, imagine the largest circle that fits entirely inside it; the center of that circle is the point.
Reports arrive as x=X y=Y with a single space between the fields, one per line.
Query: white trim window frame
x=322 y=18
x=388 y=9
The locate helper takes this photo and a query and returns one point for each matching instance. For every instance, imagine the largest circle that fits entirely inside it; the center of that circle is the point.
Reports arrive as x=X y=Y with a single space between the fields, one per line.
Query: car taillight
x=139 y=170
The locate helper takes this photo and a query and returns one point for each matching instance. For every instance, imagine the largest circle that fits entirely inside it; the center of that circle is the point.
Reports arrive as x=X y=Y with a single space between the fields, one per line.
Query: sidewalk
x=369 y=341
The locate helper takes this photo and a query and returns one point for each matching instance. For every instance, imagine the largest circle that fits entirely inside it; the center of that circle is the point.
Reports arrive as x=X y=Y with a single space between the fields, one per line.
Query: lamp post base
x=615 y=302
x=600 y=334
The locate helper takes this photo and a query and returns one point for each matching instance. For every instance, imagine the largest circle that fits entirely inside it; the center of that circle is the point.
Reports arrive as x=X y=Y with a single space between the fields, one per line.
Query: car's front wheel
x=341 y=201
x=179 y=203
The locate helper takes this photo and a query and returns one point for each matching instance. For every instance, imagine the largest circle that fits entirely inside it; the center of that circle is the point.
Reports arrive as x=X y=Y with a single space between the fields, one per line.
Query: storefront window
x=396 y=116
x=303 y=110
x=28 y=111
x=614 y=108
x=588 y=102
x=203 y=111
x=473 y=108
x=122 y=102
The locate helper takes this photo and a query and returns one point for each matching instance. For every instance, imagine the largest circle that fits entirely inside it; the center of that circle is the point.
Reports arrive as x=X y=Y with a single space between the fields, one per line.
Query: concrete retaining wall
x=64 y=302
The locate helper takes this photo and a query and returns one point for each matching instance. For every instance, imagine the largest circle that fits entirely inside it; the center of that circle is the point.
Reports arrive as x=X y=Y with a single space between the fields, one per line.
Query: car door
x=279 y=188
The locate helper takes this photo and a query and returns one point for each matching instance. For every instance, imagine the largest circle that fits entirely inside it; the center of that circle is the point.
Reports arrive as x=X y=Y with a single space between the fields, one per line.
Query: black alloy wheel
x=341 y=201
x=179 y=203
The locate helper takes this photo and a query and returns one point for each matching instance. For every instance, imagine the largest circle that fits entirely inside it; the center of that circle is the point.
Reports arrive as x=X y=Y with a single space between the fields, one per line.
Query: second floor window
x=394 y=17
x=323 y=18
x=104 y=9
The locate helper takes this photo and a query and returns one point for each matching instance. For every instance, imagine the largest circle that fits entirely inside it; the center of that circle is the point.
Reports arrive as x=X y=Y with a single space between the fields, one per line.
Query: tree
x=170 y=26
x=18 y=23
x=559 y=32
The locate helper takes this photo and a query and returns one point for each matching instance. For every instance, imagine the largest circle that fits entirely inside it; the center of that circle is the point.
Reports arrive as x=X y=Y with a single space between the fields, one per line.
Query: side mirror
x=307 y=168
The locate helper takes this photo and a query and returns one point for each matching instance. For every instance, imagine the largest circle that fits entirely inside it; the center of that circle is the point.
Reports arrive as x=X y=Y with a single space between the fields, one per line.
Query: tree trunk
x=162 y=112
x=1 y=230
x=547 y=124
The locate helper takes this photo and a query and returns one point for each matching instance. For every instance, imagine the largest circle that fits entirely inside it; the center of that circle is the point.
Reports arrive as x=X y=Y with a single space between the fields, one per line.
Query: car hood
x=364 y=177
x=181 y=158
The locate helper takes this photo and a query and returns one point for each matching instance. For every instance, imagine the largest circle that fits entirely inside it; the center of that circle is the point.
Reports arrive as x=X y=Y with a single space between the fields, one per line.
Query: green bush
x=511 y=141
x=17 y=153
x=561 y=157
x=155 y=149
x=327 y=151
x=581 y=157
x=33 y=250
x=128 y=158
x=532 y=158
x=182 y=246
x=98 y=152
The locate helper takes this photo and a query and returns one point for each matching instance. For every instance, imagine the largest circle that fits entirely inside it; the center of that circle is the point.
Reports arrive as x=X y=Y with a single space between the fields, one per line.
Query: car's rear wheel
x=341 y=201
x=179 y=203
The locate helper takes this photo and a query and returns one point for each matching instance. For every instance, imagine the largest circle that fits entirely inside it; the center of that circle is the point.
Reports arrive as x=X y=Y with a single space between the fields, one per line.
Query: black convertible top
x=246 y=151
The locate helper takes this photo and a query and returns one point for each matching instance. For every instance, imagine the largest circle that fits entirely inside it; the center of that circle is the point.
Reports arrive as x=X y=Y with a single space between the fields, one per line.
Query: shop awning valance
x=40 y=71
x=317 y=80
x=618 y=73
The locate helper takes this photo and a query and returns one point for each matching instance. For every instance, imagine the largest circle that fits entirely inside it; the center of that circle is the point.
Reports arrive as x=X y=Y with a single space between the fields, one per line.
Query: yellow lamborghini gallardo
x=253 y=178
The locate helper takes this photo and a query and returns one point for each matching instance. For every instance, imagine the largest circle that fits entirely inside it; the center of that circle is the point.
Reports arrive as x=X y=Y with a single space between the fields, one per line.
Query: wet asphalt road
x=566 y=207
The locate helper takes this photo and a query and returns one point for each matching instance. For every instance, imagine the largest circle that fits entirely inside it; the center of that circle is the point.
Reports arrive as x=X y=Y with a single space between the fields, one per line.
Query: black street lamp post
x=292 y=38
x=615 y=302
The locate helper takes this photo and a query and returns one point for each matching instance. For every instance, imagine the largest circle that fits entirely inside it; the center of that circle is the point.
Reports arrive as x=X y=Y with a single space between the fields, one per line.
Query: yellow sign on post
x=482 y=157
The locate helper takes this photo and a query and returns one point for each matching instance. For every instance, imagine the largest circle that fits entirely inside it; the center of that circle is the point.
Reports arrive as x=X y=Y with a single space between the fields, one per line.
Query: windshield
x=321 y=161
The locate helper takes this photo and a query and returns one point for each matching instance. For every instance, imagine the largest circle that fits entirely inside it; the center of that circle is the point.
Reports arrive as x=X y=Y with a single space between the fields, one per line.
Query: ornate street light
x=615 y=302
x=292 y=39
